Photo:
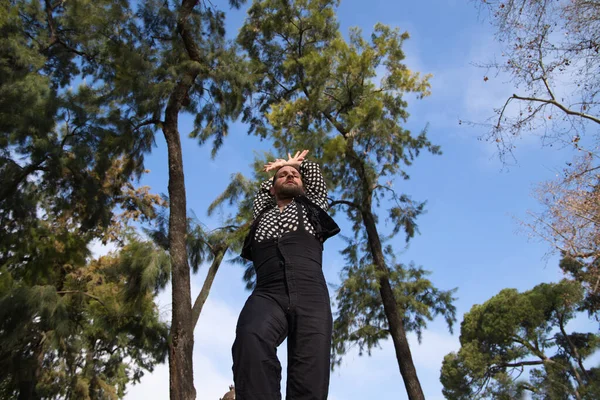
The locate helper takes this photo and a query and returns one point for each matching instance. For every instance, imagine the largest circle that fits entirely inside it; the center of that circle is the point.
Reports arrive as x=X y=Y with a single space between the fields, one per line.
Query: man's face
x=287 y=184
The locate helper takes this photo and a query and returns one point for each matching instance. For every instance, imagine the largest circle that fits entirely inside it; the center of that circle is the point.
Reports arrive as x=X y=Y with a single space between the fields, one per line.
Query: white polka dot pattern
x=275 y=223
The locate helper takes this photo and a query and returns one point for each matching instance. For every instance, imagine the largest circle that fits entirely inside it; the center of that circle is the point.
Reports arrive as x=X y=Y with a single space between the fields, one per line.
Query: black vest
x=325 y=226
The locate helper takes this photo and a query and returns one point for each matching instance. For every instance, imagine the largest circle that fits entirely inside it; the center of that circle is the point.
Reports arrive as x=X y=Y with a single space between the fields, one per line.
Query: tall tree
x=195 y=72
x=570 y=222
x=64 y=168
x=203 y=246
x=516 y=332
x=551 y=52
x=317 y=91
x=84 y=335
x=141 y=65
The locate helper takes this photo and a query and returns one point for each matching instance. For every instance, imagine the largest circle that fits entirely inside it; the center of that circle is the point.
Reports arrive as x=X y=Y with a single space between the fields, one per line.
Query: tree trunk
x=210 y=277
x=392 y=313
x=396 y=326
x=181 y=345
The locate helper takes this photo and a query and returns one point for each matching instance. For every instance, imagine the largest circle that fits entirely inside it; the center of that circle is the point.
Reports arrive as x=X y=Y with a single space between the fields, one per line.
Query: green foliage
x=345 y=101
x=586 y=271
x=320 y=93
x=361 y=318
x=514 y=332
x=83 y=334
x=83 y=89
x=147 y=266
x=202 y=245
x=220 y=85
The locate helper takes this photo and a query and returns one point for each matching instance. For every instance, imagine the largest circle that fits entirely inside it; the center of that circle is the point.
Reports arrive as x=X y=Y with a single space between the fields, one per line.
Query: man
x=291 y=299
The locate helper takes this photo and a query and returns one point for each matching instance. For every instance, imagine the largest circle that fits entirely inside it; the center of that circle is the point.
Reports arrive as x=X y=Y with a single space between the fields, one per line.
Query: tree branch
x=54 y=37
x=51 y=25
x=188 y=40
x=333 y=203
x=584 y=172
x=555 y=103
x=520 y=364
x=574 y=352
x=154 y=121
x=10 y=188
x=532 y=349
x=220 y=251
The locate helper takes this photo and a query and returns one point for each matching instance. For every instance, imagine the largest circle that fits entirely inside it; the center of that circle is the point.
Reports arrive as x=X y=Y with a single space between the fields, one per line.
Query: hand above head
x=294 y=161
x=297 y=159
x=274 y=165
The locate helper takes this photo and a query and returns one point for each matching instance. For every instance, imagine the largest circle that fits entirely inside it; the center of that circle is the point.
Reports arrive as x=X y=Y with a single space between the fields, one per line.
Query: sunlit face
x=287 y=183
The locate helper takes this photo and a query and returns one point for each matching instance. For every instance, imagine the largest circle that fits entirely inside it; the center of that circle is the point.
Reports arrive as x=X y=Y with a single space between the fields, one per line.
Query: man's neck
x=281 y=203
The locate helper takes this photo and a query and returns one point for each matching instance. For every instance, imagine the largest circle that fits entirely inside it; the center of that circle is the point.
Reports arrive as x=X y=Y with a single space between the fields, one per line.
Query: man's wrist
x=296 y=165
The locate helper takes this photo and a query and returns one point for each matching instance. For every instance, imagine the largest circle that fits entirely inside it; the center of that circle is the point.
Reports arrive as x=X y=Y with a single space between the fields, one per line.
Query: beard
x=288 y=191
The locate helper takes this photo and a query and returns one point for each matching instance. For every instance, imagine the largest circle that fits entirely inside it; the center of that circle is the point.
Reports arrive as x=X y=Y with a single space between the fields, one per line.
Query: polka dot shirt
x=275 y=223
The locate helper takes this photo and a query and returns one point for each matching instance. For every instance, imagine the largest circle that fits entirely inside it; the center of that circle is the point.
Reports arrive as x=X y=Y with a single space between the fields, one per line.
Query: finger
x=304 y=153
x=297 y=154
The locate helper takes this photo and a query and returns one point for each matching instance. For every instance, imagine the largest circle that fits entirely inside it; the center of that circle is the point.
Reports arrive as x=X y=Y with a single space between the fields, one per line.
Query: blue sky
x=470 y=235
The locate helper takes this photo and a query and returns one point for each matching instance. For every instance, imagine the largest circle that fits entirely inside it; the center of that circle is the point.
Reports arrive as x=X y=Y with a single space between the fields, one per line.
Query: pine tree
x=64 y=169
x=516 y=332
x=86 y=84
x=551 y=52
x=317 y=92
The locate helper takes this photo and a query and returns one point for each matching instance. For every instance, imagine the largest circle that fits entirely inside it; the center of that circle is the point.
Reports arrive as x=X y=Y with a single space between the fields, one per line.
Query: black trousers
x=290 y=300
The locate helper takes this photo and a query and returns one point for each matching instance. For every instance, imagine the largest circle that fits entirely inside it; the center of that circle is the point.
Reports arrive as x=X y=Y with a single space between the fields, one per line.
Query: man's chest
x=275 y=223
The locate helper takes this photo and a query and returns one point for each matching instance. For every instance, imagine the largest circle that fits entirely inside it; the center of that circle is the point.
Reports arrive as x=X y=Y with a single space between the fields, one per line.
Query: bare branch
x=555 y=103
x=154 y=121
x=520 y=364
x=333 y=203
x=210 y=277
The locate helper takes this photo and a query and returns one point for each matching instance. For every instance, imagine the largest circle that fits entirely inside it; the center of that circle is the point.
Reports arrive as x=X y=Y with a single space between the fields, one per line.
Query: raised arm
x=263 y=199
x=314 y=183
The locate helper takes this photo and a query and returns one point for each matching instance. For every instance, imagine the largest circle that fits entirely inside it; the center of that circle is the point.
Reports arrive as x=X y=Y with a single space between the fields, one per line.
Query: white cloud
x=153 y=385
x=377 y=375
x=434 y=346
x=212 y=356
x=216 y=326
x=210 y=382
